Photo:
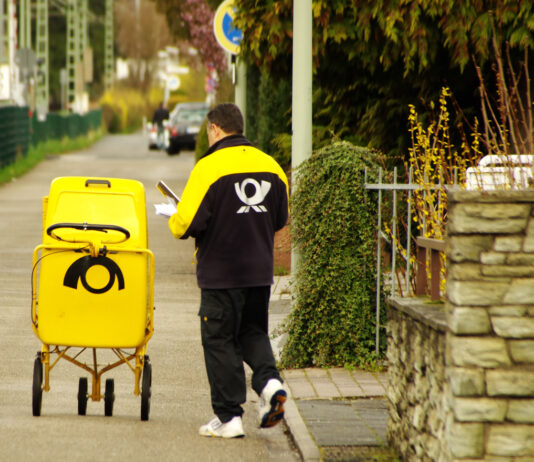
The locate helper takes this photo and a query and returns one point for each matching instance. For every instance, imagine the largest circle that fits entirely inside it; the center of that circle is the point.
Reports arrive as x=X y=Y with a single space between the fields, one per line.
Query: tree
x=139 y=37
x=372 y=58
x=192 y=21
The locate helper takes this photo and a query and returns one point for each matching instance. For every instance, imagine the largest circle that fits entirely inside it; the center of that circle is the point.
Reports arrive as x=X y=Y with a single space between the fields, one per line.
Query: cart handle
x=87 y=227
x=102 y=182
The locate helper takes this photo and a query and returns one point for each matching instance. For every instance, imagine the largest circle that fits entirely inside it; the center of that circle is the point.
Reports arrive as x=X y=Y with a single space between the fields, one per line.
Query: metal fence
x=59 y=126
x=395 y=216
x=14 y=133
x=19 y=130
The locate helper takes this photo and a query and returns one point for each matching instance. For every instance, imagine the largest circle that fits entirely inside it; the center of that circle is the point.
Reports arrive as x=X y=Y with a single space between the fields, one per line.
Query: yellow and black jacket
x=236 y=198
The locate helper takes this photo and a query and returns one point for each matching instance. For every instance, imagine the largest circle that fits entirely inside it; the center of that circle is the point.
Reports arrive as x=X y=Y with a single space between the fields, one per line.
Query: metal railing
x=399 y=279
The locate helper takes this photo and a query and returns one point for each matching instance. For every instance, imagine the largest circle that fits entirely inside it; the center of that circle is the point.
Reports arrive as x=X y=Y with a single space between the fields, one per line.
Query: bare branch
x=530 y=124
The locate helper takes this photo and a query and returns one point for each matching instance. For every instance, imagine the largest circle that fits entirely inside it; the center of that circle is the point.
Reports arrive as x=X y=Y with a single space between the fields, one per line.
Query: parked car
x=184 y=124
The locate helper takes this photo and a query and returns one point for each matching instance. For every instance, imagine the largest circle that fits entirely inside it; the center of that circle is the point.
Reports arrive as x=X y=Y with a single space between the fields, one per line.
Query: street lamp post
x=301 y=142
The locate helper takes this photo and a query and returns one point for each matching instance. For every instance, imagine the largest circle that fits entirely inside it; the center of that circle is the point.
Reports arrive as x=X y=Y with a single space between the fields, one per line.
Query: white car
x=152 y=130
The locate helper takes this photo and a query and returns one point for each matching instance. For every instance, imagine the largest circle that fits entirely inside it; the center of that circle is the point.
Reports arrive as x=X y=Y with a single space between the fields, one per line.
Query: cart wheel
x=109 y=397
x=37 y=388
x=146 y=390
x=82 y=396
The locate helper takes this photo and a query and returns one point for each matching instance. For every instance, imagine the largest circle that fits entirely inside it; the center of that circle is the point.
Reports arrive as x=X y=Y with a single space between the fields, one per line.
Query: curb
x=295 y=423
x=301 y=435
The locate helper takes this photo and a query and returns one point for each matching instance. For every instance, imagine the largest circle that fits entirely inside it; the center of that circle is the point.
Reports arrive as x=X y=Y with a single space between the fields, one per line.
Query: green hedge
x=334 y=231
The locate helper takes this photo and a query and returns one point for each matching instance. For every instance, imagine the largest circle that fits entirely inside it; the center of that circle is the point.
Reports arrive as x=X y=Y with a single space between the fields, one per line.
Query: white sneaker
x=272 y=399
x=215 y=428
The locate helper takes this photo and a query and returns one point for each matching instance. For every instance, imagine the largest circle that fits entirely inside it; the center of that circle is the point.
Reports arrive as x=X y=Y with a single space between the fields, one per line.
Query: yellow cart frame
x=85 y=239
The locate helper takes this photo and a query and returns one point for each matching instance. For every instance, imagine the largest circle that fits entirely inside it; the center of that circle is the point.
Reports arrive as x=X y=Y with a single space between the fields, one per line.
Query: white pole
x=2 y=29
x=22 y=24
x=301 y=144
x=240 y=96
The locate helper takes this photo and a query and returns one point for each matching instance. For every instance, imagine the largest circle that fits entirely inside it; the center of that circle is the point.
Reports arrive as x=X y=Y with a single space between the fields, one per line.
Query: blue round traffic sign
x=227 y=35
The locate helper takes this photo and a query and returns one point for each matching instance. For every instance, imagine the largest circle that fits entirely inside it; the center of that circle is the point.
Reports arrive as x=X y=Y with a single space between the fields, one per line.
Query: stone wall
x=488 y=391
x=416 y=357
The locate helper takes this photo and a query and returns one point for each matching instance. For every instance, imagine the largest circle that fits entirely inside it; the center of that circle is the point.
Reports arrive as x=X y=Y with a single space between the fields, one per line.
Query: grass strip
x=36 y=154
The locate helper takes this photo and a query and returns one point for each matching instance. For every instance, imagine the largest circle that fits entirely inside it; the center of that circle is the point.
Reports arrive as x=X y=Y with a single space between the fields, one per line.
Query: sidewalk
x=333 y=414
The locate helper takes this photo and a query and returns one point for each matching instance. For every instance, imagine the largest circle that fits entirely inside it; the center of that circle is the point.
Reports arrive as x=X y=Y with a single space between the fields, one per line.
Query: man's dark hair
x=228 y=117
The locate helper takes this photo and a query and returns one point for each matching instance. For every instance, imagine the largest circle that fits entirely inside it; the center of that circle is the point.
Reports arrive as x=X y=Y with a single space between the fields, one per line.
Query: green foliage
x=381 y=33
x=274 y=102
x=202 y=143
x=252 y=119
x=282 y=143
x=334 y=230
x=282 y=149
x=373 y=58
x=268 y=120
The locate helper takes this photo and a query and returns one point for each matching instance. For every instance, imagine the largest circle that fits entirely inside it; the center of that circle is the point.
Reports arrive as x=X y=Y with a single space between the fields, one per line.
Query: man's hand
x=166 y=209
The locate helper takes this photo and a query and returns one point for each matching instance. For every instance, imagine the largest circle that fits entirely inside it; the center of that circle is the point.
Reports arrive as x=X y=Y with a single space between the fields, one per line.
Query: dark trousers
x=234 y=328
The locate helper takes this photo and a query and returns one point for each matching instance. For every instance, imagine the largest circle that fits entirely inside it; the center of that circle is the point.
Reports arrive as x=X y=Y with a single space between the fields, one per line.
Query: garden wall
x=416 y=353
x=482 y=356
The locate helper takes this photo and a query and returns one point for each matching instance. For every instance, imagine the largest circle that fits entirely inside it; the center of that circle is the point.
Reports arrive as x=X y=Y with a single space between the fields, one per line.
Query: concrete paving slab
x=300 y=388
x=294 y=374
x=344 y=381
x=325 y=388
x=338 y=423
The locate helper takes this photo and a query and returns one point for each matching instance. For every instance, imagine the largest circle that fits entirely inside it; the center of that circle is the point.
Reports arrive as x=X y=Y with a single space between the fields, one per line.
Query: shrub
x=268 y=118
x=274 y=102
x=123 y=109
x=334 y=231
x=202 y=143
x=282 y=149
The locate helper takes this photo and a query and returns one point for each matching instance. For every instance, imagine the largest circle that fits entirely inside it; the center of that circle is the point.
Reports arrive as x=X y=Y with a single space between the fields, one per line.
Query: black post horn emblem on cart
x=79 y=268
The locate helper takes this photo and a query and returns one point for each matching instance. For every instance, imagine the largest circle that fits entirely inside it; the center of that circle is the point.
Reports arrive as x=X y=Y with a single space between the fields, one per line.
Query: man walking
x=160 y=115
x=235 y=199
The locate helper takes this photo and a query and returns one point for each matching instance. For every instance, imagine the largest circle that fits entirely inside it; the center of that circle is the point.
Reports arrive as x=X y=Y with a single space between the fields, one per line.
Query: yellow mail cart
x=92 y=286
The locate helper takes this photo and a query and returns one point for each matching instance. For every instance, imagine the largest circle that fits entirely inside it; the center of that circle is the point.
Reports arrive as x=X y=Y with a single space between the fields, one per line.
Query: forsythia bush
x=123 y=109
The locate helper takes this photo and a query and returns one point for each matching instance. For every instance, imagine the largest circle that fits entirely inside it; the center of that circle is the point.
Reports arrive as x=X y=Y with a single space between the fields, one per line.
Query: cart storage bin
x=94 y=301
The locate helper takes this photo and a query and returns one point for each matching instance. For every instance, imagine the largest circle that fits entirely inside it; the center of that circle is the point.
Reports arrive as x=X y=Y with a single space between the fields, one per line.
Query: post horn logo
x=78 y=270
x=254 y=201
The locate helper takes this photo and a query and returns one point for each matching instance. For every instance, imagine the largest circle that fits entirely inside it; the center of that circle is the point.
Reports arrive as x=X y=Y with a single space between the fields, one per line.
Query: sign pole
x=229 y=38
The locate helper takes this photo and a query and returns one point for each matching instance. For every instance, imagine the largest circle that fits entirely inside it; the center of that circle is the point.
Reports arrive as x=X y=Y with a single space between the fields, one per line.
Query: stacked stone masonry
x=487 y=372
x=416 y=353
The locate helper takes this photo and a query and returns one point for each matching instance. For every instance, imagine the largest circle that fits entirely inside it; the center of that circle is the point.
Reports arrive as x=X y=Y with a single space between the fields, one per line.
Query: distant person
x=160 y=114
x=235 y=199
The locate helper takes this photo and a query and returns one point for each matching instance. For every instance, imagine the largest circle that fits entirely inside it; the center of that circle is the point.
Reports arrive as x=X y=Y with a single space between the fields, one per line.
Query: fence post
x=435 y=246
x=378 y=264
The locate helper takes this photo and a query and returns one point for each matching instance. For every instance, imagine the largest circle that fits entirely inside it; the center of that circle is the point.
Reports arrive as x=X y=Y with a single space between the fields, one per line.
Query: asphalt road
x=180 y=394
